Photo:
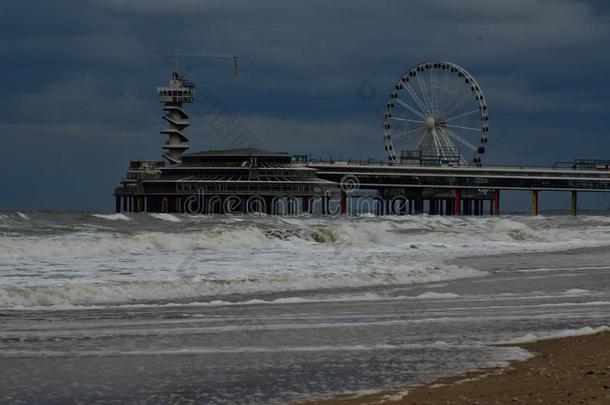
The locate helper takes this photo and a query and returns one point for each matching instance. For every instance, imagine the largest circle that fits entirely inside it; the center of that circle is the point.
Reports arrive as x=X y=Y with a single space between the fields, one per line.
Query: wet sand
x=573 y=370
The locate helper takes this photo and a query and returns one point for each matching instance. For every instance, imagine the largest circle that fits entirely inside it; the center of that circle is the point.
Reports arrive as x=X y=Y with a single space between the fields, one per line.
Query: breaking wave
x=166 y=217
x=197 y=289
x=536 y=337
x=113 y=217
x=89 y=259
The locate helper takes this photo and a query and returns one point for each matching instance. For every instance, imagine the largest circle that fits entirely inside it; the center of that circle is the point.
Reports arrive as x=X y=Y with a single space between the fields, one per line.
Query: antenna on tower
x=178 y=92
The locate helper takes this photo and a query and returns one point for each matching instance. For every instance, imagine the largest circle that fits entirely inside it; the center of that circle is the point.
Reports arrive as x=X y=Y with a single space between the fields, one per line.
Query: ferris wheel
x=436 y=114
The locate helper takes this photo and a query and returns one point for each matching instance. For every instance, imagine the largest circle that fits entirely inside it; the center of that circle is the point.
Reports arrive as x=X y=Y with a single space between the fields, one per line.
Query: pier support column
x=419 y=206
x=574 y=205
x=117 y=204
x=457 y=206
x=305 y=204
x=535 y=202
x=269 y=205
x=495 y=205
x=325 y=205
x=380 y=207
x=404 y=207
x=343 y=203
x=431 y=206
x=290 y=206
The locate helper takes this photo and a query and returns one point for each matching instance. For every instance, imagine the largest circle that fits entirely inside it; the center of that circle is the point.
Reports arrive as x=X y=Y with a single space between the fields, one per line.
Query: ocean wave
x=436 y=295
x=166 y=217
x=89 y=244
x=196 y=289
x=536 y=337
x=576 y=291
x=113 y=217
x=75 y=259
x=439 y=345
x=471 y=236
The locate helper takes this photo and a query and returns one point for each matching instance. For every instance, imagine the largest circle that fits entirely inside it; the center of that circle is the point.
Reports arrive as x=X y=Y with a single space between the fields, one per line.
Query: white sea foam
x=193 y=289
x=535 y=337
x=220 y=303
x=83 y=244
x=576 y=291
x=471 y=236
x=132 y=259
x=23 y=216
x=113 y=217
x=166 y=217
x=230 y=350
x=436 y=295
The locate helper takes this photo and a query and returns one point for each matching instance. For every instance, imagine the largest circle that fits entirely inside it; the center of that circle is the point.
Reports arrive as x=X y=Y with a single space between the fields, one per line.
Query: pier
x=464 y=190
x=434 y=142
x=247 y=180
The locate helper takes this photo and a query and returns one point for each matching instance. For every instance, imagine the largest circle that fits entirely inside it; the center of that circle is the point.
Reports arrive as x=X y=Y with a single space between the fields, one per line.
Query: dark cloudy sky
x=78 y=80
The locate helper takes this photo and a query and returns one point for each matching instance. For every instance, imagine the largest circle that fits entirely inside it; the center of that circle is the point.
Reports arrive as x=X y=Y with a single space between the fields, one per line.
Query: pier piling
x=535 y=202
x=343 y=203
x=574 y=204
x=495 y=206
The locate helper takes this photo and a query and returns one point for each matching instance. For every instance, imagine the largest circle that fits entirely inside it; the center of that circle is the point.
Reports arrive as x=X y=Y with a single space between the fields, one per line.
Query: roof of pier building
x=232 y=157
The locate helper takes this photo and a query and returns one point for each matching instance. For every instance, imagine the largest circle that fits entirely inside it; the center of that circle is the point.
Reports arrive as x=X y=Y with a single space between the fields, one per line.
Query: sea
x=254 y=309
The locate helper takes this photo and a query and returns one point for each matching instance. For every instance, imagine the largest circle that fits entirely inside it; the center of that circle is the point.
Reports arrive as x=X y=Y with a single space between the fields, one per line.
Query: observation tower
x=178 y=92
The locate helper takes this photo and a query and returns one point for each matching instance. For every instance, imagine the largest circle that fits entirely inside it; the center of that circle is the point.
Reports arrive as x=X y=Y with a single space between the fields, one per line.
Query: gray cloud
x=83 y=76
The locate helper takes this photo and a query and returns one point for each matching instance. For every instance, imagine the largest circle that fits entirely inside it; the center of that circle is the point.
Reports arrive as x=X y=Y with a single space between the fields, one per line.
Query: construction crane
x=177 y=54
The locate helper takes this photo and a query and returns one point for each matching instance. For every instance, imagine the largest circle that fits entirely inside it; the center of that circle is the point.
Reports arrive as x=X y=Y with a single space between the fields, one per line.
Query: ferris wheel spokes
x=406 y=120
x=414 y=96
x=412 y=131
x=410 y=108
x=434 y=109
x=425 y=96
x=466 y=114
x=441 y=118
x=462 y=127
x=460 y=139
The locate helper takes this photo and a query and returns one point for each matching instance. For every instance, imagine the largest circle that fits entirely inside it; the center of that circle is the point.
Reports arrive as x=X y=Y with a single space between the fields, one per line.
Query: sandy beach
x=571 y=370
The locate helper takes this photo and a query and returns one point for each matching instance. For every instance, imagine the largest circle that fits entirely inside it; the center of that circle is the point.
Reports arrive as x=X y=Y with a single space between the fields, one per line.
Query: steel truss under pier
x=252 y=180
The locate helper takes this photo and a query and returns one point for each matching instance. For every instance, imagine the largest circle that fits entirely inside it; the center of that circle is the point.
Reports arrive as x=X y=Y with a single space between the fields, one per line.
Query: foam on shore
x=536 y=337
